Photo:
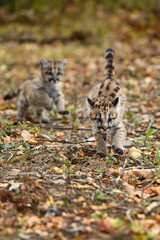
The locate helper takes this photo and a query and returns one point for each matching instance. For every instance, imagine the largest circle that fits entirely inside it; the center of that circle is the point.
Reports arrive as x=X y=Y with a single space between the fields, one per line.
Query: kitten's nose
x=104 y=128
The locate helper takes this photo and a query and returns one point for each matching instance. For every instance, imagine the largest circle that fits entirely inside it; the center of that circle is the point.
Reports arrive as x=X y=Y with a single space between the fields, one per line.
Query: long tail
x=12 y=94
x=109 y=63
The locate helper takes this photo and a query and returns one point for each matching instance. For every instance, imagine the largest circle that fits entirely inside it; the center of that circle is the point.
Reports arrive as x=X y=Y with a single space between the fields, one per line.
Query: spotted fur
x=106 y=106
x=42 y=90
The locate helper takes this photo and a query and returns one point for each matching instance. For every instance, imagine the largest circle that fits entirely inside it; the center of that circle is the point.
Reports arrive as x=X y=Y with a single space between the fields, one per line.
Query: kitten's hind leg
x=41 y=114
x=22 y=108
x=117 y=138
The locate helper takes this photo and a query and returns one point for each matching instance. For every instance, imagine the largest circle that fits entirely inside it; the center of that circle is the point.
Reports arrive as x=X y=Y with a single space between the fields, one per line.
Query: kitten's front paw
x=19 y=122
x=65 y=112
x=45 y=120
x=100 y=154
x=118 y=150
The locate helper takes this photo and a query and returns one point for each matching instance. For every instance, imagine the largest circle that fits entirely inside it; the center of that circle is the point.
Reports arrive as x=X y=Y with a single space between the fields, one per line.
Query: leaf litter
x=52 y=185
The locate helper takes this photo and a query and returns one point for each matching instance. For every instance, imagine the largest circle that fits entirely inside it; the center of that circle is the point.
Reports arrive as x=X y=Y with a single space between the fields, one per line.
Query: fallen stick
x=121 y=171
x=11 y=154
x=128 y=143
x=128 y=214
x=64 y=128
x=153 y=181
x=150 y=123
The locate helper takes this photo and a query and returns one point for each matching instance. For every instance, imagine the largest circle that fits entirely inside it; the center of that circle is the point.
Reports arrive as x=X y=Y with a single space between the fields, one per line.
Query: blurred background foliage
x=45 y=21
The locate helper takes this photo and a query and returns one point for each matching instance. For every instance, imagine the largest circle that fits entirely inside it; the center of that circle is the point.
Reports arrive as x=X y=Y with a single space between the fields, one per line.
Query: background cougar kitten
x=106 y=106
x=42 y=90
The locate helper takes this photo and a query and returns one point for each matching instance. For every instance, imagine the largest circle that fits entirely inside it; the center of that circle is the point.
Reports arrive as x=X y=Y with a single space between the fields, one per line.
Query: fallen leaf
x=20 y=153
x=32 y=141
x=25 y=135
x=59 y=135
x=134 y=152
x=132 y=190
x=33 y=220
x=156 y=190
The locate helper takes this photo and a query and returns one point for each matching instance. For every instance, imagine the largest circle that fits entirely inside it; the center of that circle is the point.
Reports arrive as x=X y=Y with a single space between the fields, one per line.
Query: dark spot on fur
x=110 y=61
x=100 y=92
x=109 y=66
x=104 y=137
x=109 y=50
x=116 y=89
x=112 y=95
x=108 y=86
x=109 y=55
x=102 y=84
x=110 y=105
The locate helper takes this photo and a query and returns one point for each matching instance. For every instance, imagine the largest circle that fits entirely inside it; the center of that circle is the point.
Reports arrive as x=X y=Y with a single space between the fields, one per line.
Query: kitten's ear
x=43 y=63
x=90 y=103
x=116 y=103
x=63 y=63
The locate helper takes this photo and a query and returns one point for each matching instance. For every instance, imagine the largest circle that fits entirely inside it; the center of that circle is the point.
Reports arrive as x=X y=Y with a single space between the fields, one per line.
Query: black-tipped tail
x=11 y=95
x=109 y=63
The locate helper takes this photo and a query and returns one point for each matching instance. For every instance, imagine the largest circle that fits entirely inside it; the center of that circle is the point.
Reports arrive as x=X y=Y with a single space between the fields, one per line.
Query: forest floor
x=52 y=185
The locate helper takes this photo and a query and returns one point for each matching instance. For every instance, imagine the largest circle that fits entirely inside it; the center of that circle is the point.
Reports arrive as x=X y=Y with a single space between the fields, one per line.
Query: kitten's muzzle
x=53 y=80
x=103 y=129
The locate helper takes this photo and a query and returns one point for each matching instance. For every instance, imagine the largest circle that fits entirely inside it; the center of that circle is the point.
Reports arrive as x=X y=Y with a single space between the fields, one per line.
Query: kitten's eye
x=59 y=73
x=99 y=119
x=109 y=119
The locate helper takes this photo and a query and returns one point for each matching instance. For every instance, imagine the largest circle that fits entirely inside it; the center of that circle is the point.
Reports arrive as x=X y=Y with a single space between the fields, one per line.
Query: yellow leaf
x=116 y=170
x=95 y=185
x=20 y=153
x=135 y=154
x=158 y=180
x=81 y=186
x=57 y=170
x=50 y=201
x=148 y=80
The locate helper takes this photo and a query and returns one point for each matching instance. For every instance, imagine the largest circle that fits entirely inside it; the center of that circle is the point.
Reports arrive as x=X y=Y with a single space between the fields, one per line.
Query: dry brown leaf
x=32 y=141
x=132 y=190
x=59 y=135
x=152 y=206
x=156 y=190
x=7 y=139
x=25 y=135
x=33 y=220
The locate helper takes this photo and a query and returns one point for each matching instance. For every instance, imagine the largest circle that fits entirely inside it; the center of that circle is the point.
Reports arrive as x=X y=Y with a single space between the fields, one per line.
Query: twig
x=122 y=170
x=142 y=169
x=128 y=213
x=64 y=128
x=11 y=154
x=64 y=141
x=150 y=123
x=153 y=181
x=135 y=159
x=151 y=207
x=126 y=144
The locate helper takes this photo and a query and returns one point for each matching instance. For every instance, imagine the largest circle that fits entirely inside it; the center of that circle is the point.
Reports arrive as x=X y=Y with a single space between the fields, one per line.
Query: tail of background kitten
x=12 y=94
x=109 y=63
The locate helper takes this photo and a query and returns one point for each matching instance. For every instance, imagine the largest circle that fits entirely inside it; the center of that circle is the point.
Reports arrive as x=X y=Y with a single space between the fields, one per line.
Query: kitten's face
x=103 y=113
x=52 y=71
